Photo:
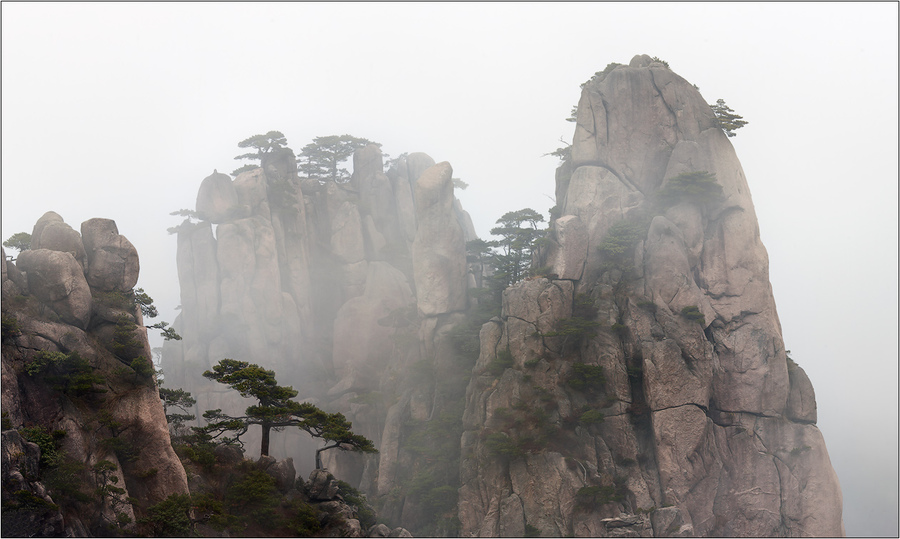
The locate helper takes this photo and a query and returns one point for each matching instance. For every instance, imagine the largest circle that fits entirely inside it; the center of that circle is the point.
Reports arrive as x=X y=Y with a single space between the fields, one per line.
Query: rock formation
x=76 y=364
x=637 y=386
x=346 y=290
x=670 y=407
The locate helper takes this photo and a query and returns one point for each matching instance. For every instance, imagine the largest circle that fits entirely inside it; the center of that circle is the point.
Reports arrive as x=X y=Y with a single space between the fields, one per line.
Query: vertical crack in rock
x=664 y=102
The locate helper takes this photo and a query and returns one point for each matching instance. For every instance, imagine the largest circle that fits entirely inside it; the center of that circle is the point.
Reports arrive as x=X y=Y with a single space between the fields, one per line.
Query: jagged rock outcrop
x=666 y=406
x=112 y=260
x=76 y=364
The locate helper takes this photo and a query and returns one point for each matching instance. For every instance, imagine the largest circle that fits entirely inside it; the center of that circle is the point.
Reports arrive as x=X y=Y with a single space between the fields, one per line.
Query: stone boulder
x=378 y=530
x=321 y=485
x=56 y=279
x=56 y=235
x=284 y=474
x=217 y=200
x=112 y=260
x=229 y=454
x=252 y=194
x=416 y=164
x=46 y=219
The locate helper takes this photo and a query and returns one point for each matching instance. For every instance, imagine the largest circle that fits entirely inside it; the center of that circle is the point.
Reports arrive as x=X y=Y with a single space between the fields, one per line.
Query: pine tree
x=321 y=158
x=276 y=410
x=728 y=120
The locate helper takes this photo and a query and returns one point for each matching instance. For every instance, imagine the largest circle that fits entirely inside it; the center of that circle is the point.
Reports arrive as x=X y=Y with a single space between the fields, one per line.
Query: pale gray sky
x=120 y=110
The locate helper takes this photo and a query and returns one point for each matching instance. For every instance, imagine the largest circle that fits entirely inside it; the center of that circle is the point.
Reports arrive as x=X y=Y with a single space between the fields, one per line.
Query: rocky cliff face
x=637 y=385
x=347 y=291
x=648 y=391
x=77 y=378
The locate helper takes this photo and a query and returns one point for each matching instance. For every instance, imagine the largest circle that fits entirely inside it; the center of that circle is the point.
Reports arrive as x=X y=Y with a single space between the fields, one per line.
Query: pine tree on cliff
x=266 y=144
x=728 y=120
x=321 y=158
x=276 y=410
x=518 y=231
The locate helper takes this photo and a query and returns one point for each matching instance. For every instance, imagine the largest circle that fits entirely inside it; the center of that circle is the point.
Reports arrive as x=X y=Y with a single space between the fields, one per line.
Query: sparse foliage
x=321 y=159
x=179 y=399
x=617 y=248
x=586 y=377
x=11 y=328
x=334 y=429
x=67 y=373
x=276 y=410
x=170 y=517
x=700 y=187
x=20 y=241
x=459 y=184
x=581 y=325
x=263 y=144
x=600 y=75
x=590 y=497
x=692 y=312
x=518 y=231
x=564 y=152
x=726 y=117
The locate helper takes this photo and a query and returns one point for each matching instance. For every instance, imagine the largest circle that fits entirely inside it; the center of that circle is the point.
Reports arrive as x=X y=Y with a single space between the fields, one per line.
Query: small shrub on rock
x=586 y=377
x=68 y=373
x=591 y=417
x=699 y=187
x=170 y=517
x=503 y=361
x=692 y=312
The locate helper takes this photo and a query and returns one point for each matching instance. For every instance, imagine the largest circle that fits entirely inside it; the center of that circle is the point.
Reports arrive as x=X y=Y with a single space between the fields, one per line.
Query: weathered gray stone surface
x=572 y=248
x=707 y=431
x=112 y=260
x=57 y=279
x=54 y=313
x=20 y=461
x=321 y=485
x=438 y=252
x=59 y=236
x=284 y=473
x=217 y=199
x=801 y=405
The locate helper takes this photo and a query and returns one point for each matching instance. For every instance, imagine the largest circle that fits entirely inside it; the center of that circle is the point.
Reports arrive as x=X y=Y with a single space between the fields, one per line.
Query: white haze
x=120 y=110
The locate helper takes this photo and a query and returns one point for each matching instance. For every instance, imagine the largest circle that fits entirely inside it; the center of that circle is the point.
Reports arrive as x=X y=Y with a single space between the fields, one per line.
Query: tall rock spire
x=671 y=407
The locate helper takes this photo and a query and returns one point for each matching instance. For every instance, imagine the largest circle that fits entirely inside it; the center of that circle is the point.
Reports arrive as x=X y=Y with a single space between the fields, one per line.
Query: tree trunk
x=264 y=447
x=319 y=458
